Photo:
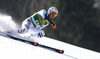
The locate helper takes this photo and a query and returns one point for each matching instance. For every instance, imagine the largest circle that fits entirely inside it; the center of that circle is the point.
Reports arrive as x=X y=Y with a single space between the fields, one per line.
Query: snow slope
x=12 y=49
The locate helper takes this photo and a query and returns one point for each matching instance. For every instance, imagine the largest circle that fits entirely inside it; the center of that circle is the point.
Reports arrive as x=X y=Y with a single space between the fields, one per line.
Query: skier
x=35 y=23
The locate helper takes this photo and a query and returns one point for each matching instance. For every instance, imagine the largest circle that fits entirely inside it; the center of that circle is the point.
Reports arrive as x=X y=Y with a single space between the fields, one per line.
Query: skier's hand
x=40 y=35
x=54 y=26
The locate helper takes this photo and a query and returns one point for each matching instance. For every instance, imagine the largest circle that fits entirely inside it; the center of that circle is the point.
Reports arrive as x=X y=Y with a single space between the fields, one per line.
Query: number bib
x=38 y=21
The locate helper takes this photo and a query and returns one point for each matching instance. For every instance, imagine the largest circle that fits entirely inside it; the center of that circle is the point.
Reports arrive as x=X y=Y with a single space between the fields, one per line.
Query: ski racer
x=35 y=23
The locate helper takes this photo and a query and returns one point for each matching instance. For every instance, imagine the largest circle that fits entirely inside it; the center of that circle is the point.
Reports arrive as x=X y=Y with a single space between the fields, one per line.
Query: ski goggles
x=55 y=14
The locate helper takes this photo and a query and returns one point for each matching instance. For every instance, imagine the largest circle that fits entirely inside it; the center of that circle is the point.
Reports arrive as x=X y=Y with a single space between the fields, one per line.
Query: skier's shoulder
x=42 y=13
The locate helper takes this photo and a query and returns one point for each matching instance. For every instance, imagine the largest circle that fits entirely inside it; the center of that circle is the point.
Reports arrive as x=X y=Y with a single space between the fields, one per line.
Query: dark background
x=77 y=22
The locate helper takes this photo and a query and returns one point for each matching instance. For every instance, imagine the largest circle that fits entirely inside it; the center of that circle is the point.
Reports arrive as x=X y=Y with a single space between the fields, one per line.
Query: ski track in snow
x=12 y=49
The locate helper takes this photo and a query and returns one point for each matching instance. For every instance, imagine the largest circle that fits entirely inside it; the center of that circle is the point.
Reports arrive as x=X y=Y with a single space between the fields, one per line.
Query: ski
x=37 y=44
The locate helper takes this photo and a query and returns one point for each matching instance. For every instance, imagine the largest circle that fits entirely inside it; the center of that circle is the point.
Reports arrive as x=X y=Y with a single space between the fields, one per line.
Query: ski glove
x=54 y=26
x=40 y=35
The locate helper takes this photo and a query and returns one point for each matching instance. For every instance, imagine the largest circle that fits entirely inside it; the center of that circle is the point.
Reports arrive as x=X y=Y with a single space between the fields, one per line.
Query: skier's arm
x=51 y=22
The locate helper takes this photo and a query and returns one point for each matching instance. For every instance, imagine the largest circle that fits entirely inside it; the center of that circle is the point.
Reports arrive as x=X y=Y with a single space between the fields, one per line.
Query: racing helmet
x=53 y=10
